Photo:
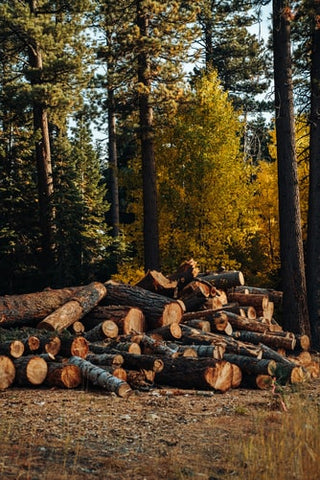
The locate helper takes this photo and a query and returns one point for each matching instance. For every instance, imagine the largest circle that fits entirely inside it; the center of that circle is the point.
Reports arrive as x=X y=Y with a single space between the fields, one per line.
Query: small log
x=31 y=345
x=272 y=354
x=303 y=342
x=252 y=366
x=144 y=362
x=30 y=370
x=290 y=374
x=107 y=359
x=63 y=375
x=27 y=309
x=243 y=323
x=168 y=332
x=259 y=302
x=158 y=310
x=260 y=381
x=236 y=376
x=100 y=378
x=274 y=341
x=213 y=303
x=7 y=372
x=12 y=348
x=224 y=280
x=201 y=324
x=184 y=350
x=74 y=346
x=152 y=346
x=106 y=329
x=186 y=272
x=196 y=373
x=128 y=319
x=211 y=351
x=85 y=299
x=156 y=282
x=77 y=328
x=127 y=347
x=50 y=344
x=218 y=320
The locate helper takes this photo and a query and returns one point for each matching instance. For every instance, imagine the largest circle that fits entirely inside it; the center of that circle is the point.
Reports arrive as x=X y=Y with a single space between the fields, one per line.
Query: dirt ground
x=160 y=434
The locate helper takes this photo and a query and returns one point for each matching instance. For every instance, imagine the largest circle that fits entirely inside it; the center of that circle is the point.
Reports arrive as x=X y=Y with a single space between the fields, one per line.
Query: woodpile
x=187 y=330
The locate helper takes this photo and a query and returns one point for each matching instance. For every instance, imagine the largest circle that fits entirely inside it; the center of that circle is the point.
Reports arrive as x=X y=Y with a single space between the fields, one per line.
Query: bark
x=199 y=324
x=7 y=372
x=151 y=346
x=313 y=238
x=102 y=358
x=196 y=373
x=218 y=320
x=100 y=378
x=106 y=329
x=113 y=163
x=84 y=300
x=295 y=310
x=63 y=375
x=30 y=370
x=158 y=310
x=140 y=380
x=28 y=308
x=156 y=282
x=144 y=362
x=243 y=323
x=194 y=295
x=252 y=366
x=128 y=319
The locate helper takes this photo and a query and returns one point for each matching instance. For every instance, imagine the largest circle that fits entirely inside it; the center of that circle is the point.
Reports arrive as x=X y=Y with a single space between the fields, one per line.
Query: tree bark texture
x=295 y=309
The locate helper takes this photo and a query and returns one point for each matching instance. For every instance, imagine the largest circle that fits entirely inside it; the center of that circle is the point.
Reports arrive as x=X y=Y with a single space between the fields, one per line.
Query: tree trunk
x=128 y=319
x=313 y=239
x=295 y=311
x=84 y=300
x=99 y=377
x=113 y=163
x=26 y=309
x=150 y=207
x=7 y=372
x=168 y=332
x=158 y=310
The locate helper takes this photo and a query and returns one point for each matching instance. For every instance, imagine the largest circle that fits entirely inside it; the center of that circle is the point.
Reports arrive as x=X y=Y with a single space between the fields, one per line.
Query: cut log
x=151 y=346
x=127 y=347
x=107 y=359
x=13 y=348
x=290 y=374
x=183 y=350
x=252 y=366
x=77 y=328
x=168 y=332
x=74 y=346
x=243 y=323
x=30 y=370
x=275 y=296
x=84 y=300
x=50 y=344
x=144 y=362
x=213 y=303
x=140 y=380
x=63 y=375
x=195 y=294
x=274 y=341
x=211 y=351
x=29 y=308
x=7 y=372
x=100 y=378
x=218 y=320
x=156 y=282
x=31 y=345
x=224 y=280
x=303 y=342
x=202 y=325
x=187 y=271
x=262 y=382
x=274 y=355
x=259 y=302
x=158 y=310
x=236 y=376
x=106 y=329
x=196 y=373
x=128 y=319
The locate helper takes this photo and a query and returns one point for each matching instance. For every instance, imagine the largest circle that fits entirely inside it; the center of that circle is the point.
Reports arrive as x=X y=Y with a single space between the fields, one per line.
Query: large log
x=156 y=282
x=29 y=308
x=84 y=300
x=274 y=341
x=258 y=301
x=7 y=372
x=30 y=370
x=158 y=310
x=129 y=319
x=198 y=373
x=243 y=323
x=224 y=280
x=100 y=378
x=275 y=296
x=252 y=366
x=63 y=375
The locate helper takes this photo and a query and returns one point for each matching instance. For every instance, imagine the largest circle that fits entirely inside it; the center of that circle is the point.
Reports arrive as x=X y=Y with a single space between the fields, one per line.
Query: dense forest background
x=137 y=134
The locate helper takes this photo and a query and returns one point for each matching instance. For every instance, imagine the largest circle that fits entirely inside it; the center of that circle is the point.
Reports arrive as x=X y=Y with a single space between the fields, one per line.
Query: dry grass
x=83 y=435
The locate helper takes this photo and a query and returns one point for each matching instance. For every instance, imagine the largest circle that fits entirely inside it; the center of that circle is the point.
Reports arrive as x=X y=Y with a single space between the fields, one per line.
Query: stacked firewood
x=189 y=331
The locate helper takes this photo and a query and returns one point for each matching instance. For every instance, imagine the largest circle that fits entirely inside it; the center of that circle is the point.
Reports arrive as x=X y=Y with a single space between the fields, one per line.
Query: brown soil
x=160 y=434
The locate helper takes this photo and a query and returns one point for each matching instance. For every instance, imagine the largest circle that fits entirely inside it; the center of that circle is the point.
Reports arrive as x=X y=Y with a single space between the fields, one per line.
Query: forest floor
x=52 y=434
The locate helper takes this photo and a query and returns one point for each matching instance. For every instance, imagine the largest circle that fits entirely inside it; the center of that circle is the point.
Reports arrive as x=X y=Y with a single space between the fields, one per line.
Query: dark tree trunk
x=313 y=242
x=43 y=157
x=295 y=310
x=150 y=213
x=113 y=162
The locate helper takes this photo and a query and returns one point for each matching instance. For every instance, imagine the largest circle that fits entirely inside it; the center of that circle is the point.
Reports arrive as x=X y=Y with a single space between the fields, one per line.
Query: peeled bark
x=85 y=299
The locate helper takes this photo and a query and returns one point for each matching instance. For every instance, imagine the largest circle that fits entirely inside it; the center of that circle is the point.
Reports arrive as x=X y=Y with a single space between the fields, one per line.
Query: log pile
x=189 y=331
